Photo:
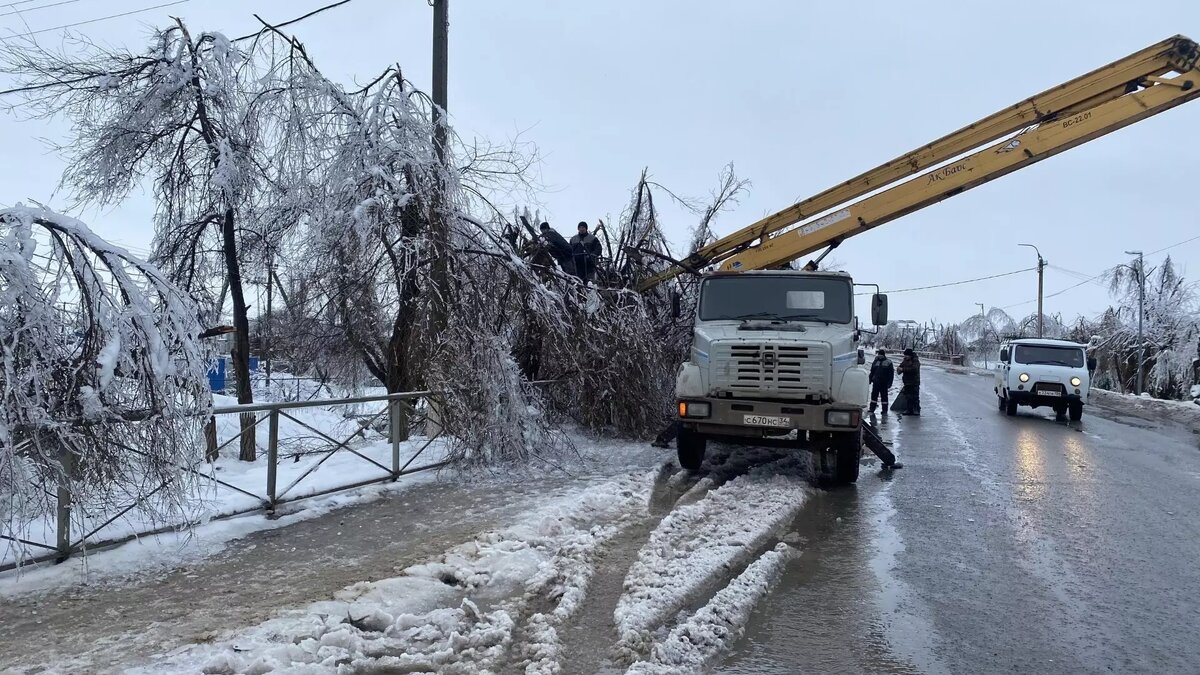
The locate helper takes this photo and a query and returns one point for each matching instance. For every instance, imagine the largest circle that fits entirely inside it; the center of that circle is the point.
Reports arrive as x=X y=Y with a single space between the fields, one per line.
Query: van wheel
x=1010 y=407
x=1076 y=411
x=690 y=446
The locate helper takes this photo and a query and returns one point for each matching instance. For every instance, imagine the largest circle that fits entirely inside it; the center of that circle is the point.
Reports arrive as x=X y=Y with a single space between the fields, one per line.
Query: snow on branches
x=103 y=382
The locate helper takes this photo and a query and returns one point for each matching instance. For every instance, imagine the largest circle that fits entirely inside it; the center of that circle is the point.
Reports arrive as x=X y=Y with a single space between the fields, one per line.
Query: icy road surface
x=1005 y=544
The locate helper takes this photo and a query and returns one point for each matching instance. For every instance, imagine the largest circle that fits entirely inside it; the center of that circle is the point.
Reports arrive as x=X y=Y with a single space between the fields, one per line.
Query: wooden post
x=210 y=440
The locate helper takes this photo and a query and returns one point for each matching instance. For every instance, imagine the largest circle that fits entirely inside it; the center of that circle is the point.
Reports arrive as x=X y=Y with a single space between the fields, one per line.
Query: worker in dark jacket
x=883 y=374
x=585 y=250
x=558 y=248
x=910 y=376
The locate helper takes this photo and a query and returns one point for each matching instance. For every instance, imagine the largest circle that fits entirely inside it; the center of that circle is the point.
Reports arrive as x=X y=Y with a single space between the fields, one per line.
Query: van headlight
x=1024 y=377
x=1075 y=381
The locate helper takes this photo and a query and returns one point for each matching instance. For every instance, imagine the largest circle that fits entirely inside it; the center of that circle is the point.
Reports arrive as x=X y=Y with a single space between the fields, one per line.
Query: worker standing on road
x=585 y=250
x=910 y=376
x=883 y=374
x=558 y=247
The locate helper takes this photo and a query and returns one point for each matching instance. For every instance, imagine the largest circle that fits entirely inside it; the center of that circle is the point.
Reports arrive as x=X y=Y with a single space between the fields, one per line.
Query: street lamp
x=983 y=327
x=1141 y=272
x=1041 y=267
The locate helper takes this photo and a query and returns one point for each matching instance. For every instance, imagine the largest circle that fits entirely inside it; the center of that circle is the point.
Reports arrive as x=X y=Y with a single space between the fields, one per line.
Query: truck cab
x=1038 y=372
x=776 y=360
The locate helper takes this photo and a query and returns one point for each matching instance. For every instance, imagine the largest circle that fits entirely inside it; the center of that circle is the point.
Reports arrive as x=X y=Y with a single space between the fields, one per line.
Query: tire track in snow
x=461 y=612
x=588 y=638
x=697 y=544
x=696 y=644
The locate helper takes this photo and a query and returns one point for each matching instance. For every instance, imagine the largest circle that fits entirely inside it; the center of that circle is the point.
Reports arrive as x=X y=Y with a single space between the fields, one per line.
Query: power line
x=14 y=4
x=34 y=9
x=1166 y=248
x=1101 y=274
x=958 y=283
x=103 y=18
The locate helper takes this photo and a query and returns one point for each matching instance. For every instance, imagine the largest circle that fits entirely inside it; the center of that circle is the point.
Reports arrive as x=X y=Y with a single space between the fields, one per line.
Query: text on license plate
x=1049 y=392
x=766 y=421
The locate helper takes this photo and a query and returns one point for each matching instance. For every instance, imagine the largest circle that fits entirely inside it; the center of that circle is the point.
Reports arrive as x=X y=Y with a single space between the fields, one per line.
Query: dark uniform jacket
x=883 y=373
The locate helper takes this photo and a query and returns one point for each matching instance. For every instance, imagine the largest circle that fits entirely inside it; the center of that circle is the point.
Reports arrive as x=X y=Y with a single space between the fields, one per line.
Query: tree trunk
x=241 y=339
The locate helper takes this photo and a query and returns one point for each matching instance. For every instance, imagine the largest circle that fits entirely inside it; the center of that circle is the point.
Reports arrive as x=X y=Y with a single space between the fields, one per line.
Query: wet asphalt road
x=1004 y=545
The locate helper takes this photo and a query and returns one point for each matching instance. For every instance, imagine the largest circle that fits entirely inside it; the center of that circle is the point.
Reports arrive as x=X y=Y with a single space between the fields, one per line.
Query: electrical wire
x=956 y=283
x=102 y=18
x=34 y=9
x=1098 y=276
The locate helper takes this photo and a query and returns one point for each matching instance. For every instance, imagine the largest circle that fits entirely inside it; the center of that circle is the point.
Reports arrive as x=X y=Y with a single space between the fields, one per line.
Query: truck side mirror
x=1004 y=355
x=879 y=309
x=676 y=304
x=1091 y=363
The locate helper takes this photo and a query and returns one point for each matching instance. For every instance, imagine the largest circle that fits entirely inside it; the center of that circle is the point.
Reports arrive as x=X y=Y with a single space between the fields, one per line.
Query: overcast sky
x=798 y=95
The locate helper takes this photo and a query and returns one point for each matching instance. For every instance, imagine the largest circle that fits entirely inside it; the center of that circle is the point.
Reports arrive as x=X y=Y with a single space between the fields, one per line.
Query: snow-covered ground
x=507 y=599
x=1186 y=412
x=245 y=483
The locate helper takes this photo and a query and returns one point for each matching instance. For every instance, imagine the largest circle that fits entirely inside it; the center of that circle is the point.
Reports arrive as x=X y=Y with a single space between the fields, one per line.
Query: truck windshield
x=1071 y=357
x=782 y=298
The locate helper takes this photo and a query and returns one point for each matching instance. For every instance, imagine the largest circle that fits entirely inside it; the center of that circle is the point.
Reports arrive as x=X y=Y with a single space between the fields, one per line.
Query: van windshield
x=779 y=298
x=1071 y=357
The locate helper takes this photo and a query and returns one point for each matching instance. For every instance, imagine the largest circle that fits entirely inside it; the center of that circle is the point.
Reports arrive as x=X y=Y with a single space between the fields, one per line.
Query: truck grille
x=766 y=369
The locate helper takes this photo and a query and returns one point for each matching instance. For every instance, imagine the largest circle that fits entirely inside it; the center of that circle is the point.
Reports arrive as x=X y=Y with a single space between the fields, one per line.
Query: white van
x=1039 y=372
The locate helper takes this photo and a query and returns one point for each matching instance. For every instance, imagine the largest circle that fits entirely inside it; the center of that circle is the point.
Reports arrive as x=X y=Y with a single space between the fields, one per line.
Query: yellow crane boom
x=1100 y=102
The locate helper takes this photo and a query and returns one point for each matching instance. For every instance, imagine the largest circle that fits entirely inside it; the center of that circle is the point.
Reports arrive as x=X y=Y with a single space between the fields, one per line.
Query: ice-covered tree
x=1170 y=328
x=103 y=382
x=187 y=113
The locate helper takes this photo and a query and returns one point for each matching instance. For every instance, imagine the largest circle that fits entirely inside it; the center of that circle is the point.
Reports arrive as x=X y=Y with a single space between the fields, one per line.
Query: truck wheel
x=1010 y=407
x=690 y=446
x=1076 y=410
x=848 y=448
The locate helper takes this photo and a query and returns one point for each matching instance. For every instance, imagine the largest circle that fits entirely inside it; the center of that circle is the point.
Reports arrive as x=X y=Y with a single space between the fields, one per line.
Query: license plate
x=766 y=421
x=1049 y=392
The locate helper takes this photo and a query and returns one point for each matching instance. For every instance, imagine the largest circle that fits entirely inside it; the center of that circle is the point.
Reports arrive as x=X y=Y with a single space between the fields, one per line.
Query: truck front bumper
x=737 y=418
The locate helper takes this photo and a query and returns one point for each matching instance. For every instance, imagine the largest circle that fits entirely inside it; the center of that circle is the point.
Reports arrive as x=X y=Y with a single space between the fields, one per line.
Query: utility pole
x=983 y=316
x=441 y=55
x=1041 y=268
x=1141 y=272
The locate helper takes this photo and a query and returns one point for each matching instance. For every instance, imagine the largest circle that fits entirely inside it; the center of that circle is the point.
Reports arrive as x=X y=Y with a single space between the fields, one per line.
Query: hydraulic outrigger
x=1138 y=86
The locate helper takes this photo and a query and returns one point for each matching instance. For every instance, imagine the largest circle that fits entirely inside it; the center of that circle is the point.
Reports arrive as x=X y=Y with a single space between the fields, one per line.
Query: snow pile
x=1182 y=411
x=698 y=543
x=694 y=645
x=462 y=612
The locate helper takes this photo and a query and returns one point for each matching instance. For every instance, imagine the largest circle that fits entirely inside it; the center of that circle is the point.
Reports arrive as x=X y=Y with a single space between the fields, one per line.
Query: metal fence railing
x=402 y=414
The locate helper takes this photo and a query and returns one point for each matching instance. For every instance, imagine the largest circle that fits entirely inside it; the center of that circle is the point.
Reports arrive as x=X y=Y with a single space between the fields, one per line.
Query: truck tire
x=1076 y=411
x=690 y=447
x=848 y=449
x=1010 y=407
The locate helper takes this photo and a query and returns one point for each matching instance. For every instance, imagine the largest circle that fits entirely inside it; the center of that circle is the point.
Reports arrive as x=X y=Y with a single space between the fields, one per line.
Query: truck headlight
x=694 y=409
x=1075 y=382
x=841 y=418
x=1024 y=377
